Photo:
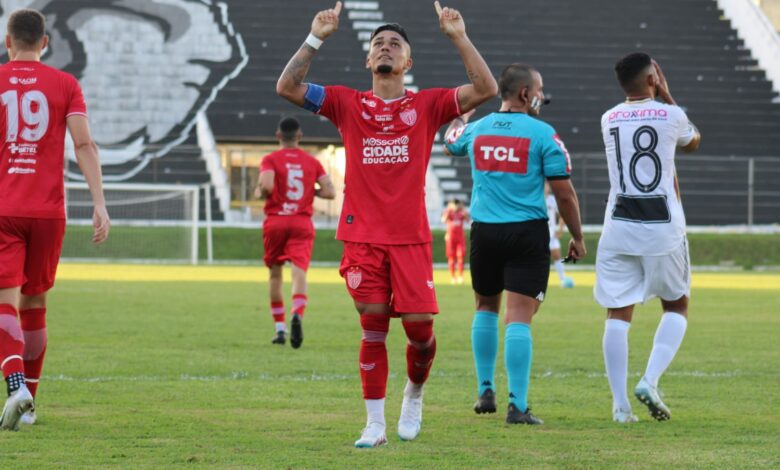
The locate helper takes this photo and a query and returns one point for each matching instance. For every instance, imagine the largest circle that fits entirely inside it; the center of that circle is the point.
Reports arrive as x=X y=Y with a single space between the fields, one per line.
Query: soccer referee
x=512 y=153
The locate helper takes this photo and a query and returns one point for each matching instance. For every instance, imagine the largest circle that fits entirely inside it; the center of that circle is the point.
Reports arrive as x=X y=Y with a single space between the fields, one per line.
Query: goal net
x=149 y=222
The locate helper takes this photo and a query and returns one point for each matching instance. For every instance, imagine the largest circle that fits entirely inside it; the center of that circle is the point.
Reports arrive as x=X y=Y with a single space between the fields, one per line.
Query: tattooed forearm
x=296 y=69
x=473 y=75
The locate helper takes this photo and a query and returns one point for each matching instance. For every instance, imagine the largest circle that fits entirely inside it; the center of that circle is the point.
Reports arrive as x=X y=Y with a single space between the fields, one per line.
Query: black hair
x=630 y=67
x=391 y=27
x=27 y=26
x=289 y=128
x=513 y=77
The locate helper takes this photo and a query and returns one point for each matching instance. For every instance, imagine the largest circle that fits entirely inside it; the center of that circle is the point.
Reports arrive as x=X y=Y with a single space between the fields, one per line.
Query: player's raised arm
x=483 y=86
x=89 y=163
x=290 y=84
x=662 y=91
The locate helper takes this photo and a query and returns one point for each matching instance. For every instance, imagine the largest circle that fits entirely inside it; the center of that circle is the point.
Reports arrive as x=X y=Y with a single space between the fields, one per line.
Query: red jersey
x=295 y=173
x=388 y=146
x=36 y=100
x=455 y=220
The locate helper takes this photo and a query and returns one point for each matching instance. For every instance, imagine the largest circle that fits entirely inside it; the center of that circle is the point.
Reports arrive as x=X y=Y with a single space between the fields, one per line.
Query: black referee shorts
x=513 y=256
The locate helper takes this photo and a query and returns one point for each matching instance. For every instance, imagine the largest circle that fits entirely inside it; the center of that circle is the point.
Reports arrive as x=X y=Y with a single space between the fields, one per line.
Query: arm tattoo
x=473 y=76
x=299 y=64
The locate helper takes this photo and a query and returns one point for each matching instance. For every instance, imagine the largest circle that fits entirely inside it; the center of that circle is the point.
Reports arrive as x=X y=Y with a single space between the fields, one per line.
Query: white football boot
x=411 y=412
x=29 y=418
x=651 y=397
x=620 y=415
x=373 y=436
x=17 y=404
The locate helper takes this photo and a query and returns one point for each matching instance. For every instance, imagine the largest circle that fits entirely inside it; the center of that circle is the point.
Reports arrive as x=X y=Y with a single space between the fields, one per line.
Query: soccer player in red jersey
x=287 y=183
x=39 y=103
x=388 y=132
x=455 y=216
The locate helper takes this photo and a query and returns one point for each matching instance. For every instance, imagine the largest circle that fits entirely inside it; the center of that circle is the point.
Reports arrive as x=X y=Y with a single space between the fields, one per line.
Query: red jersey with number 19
x=388 y=146
x=36 y=100
x=295 y=173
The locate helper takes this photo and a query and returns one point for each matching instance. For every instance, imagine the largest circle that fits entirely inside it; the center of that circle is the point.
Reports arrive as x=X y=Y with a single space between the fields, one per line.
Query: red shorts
x=399 y=275
x=29 y=253
x=288 y=238
x=454 y=246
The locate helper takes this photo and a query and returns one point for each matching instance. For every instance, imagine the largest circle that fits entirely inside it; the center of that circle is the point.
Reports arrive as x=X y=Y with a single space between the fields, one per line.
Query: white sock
x=559 y=268
x=615 y=345
x=280 y=326
x=413 y=390
x=375 y=409
x=667 y=341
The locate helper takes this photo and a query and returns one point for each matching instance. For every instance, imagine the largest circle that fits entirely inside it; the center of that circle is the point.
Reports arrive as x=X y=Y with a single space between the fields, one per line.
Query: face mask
x=536 y=104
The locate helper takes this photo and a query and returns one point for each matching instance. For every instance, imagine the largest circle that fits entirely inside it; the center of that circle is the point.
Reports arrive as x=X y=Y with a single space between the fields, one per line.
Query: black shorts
x=513 y=256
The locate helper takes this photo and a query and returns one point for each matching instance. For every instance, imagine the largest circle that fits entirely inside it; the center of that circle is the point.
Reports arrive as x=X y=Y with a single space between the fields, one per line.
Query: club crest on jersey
x=430 y=284
x=409 y=117
x=354 y=277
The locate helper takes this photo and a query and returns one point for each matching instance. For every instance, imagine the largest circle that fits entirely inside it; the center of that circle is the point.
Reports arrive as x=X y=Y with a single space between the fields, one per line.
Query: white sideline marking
x=314 y=377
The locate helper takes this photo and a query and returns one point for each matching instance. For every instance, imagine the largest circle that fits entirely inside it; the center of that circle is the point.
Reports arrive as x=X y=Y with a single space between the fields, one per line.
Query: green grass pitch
x=173 y=370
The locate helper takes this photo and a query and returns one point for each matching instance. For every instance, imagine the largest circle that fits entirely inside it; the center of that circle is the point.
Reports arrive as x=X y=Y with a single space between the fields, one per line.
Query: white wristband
x=313 y=41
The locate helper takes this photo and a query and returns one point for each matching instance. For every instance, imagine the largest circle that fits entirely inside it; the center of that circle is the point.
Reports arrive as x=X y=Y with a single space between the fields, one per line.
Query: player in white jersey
x=643 y=251
x=556 y=225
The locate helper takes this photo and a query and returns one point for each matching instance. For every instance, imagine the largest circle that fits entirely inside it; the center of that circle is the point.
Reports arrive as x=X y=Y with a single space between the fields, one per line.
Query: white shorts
x=555 y=244
x=623 y=280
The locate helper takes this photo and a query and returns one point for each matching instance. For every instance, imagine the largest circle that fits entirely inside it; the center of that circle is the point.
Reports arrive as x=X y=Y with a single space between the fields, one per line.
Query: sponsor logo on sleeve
x=454 y=134
x=561 y=145
x=501 y=154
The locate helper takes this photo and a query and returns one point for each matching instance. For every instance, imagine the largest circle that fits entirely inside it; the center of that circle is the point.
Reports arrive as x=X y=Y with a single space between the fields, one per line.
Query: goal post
x=149 y=223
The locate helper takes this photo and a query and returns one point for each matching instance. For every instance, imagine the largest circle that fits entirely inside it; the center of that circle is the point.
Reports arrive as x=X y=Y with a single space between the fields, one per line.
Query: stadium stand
x=189 y=53
x=711 y=74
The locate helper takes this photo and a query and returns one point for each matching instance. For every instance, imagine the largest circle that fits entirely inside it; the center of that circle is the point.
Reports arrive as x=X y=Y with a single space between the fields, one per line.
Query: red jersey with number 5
x=36 y=100
x=295 y=173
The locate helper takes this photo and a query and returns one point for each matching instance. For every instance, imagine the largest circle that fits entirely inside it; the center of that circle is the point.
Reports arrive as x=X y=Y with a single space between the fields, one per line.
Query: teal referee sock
x=518 y=349
x=484 y=345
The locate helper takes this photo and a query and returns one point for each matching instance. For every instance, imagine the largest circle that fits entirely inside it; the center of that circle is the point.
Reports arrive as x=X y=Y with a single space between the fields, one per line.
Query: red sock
x=451 y=265
x=299 y=304
x=460 y=266
x=277 y=311
x=11 y=341
x=373 y=355
x=420 y=349
x=35 y=339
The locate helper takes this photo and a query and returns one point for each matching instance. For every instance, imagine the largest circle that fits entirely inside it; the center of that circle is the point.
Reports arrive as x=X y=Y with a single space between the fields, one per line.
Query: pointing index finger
x=337 y=8
x=437 y=6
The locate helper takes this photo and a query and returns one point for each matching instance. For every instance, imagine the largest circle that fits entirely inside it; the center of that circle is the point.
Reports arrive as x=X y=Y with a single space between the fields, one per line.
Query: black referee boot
x=514 y=416
x=486 y=403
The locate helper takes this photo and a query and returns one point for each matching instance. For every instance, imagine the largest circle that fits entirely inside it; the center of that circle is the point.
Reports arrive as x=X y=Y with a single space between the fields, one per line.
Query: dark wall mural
x=147 y=67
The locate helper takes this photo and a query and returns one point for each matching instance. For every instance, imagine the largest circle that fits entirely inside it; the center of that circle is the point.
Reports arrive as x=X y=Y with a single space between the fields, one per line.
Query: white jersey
x=552 y=214
x=644 y=215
